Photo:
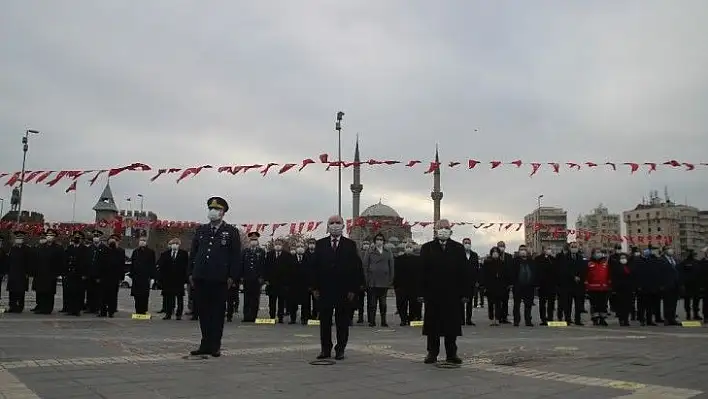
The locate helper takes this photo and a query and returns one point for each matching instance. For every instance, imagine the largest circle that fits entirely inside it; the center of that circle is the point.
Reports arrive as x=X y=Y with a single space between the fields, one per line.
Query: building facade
x=606 y=229
x=546 y=227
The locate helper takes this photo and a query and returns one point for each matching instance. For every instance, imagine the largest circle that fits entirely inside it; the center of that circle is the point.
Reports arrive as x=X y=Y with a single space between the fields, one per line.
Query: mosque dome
x=380 y=210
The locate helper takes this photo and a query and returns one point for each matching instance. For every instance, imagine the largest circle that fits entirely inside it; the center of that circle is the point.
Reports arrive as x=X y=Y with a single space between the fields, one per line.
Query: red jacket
x=598 y=278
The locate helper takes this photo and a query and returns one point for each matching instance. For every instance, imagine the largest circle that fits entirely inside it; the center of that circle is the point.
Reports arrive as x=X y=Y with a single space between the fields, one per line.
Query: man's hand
x=577 y=279
x=98 y=280
x=316 y=294
x=191 y=281
x=260 y=281
x=229 y=282
x=350 y=296
x=465 y=300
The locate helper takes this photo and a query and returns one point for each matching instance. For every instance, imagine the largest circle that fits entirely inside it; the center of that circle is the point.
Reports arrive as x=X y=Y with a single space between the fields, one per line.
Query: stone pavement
x=65 y=357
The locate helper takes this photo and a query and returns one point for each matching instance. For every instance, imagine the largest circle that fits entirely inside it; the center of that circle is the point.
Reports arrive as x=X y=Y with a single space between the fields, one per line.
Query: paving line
x=153 y=358
x=638 y=390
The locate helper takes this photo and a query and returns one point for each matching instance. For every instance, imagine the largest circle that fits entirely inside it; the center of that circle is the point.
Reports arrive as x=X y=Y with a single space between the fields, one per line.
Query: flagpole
x=73 y=210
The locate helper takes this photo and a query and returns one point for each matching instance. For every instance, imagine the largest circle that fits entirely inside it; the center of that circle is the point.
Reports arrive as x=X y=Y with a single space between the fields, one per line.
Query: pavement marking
x=485 y=364
x=152 y=358
x=12 y=388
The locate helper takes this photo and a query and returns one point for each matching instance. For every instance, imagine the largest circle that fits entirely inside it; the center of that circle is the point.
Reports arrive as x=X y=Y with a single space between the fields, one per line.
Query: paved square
x=65 y=357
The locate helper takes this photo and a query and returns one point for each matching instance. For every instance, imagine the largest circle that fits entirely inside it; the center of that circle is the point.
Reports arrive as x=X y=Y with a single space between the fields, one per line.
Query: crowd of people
x=319 y=279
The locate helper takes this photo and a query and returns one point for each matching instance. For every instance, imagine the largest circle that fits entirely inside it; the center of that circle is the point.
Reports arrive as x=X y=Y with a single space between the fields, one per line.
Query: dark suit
x=278 y=267
x=142 y=271
x=173 y=275
x=472 y=264
x=336 y=273
x=299 y=289
x=74 y=278
x=215 y=258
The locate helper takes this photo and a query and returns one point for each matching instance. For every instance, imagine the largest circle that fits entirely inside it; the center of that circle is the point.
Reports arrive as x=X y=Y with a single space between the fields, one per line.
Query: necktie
x=334 y=243
x=174 y=255
x=299 y=258
x=442 y=245
x=213 y=231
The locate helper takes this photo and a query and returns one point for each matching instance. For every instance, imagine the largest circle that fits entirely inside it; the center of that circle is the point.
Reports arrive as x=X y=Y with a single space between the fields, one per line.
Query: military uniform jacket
x=253 y=261
x=96 y=260
x=75 y=268
x=18 y=268
x=216 y=253
x=49 y=264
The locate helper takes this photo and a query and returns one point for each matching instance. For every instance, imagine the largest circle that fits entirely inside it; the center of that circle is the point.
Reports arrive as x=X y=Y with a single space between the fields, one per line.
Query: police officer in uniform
x=214 y=267
x=252 y=275
x=74 y=276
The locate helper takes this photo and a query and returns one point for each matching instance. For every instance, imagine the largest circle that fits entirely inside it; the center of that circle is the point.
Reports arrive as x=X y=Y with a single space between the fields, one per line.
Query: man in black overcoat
x=142 y=272
x=110 y=275
x=172 y=269
x=19 y=258
x=49 y=264
x=445 y=287
x=74 y=274
x=337 y=277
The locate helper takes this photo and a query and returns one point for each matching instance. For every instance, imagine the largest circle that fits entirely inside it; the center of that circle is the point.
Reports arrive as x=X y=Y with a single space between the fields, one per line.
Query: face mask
x=335 y=229
x=468 y=246
x=300 y=250
x=214 y=215
x=112 y=243
x=365 y=247
x=522 y=253
x=670 y=252
x=502 y=249
x=409 y=250
x=444 y=234
x=50 y=238
x=43 y=241
x=388 y=246
x=142 y=243
x=278 y=248
x=548 y=252
x=495 y=256
x=623 y=261
x=19 y=241
x=174 y=247
x=637 y=254
x=379 y=243
x=292 y=252
x=574 y=250
x=598 y=256
x=311 y=246
x=254 y=243
x=655 y=252
x=96 y=240
x=76 y=241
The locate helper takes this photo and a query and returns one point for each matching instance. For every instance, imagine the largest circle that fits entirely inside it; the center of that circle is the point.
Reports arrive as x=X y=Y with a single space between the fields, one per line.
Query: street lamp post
x=142 y=198
x=2 y=207
x=538 y=221
x=25 y=147
x=338 y=128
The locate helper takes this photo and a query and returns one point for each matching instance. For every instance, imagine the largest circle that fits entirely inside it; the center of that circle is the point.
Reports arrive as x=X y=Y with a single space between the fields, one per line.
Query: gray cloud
x=179 y=84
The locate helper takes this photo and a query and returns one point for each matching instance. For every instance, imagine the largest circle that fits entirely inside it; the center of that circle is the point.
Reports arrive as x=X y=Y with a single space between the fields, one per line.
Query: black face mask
x=76 y=241
x=112 y=245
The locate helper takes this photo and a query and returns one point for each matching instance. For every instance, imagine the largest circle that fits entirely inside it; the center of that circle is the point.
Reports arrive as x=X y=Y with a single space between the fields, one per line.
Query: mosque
x=381 y=218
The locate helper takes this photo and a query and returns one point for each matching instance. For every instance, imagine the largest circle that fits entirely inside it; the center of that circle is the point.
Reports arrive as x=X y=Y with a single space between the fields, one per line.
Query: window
x=639 y=230
x=650 y=229
x=658 y=228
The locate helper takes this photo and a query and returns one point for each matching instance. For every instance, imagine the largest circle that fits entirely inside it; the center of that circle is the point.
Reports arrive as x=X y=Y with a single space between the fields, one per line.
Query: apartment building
x=553 y=232
x=606 y=229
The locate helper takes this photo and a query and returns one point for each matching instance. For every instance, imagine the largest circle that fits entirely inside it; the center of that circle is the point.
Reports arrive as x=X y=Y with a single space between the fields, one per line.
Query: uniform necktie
x=299 y=258
x=442 y=245
x=213 y=230
x=174 y=255
x=334 y=243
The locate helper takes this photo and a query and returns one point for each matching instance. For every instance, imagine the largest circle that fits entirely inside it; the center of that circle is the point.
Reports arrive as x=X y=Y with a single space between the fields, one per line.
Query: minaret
x=436 y=195
x=356 y=185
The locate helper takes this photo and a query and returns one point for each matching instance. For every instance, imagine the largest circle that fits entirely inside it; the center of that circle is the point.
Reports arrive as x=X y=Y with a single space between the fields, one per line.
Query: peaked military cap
x=79 y=234
x=19 y=233
x=97 y=233
x=254 y=234
x=218 y=203
x=51 y=232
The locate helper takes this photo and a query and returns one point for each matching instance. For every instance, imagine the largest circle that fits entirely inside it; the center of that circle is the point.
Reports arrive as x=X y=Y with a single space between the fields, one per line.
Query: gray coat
x=378 y=268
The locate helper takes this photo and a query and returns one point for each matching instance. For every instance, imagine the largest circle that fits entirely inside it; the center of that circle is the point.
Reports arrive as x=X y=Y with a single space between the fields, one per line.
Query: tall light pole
x=538 y=222
x=25 y=147
x=142 y=198
x=338 y=128
x=2 y=207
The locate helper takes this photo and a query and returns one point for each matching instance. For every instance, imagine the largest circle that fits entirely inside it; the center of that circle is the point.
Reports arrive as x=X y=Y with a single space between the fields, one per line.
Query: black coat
x=173 y=272
x=48 y=265
x=445 y=282
x=472 y=264
x=407 y=274
x=19 y=265
x=300 y=277
x=336 y=272
x=96 y=260
x=546 y=273
x=494 y=278
x=621 y=276
x=142 y=270
x=572 y=273
x=113 y=266
x=277 y=272
x=649 y=270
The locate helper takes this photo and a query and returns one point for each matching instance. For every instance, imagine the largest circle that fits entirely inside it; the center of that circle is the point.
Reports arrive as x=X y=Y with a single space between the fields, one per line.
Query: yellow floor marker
x=137 y=316
x=265 y=321
x=416 y=324
x=691 y=323
x=557 y=324
x=313 y=322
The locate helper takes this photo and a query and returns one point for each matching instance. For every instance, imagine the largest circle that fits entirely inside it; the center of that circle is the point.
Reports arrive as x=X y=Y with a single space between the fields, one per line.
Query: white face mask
x=365 y=247
x=379 y=243
x=637 y=254
x=388 y=246
x=548 y=252
x=96 y=240
x=670 y=252
x=311 y=246
x=174 y=247
x=43 y=241
x=444 y=234
x=409 y=250
x=214 y=215
x=142 y=243
x=19 y=241
x=468 y=246
x=522 y=253
x=292 y=252
x=50 y=238
x=278 y=248
x=253 y=243
x=335 y=229
x=574 y=250
x=502 y=249
x=623 y=261
x=300 y=250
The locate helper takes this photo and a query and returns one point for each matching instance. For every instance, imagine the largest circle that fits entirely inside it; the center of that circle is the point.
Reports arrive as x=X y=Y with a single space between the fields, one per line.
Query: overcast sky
x=183 y=83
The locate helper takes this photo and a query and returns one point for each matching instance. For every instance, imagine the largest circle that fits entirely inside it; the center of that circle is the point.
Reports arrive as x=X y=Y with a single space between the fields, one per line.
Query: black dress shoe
x=430 y=359
x=215 y=354
x=167 y=317
x=339 y=355
x=454 y=360
x=324 y=355
x=198 y=352
x=178 y=318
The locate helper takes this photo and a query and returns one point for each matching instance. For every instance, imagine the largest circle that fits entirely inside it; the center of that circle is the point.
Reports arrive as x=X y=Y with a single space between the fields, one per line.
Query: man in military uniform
x=214 y=267
x=48 y=266
x=19 y=259
x=96 y=262
x=74 y=275
x=110 y=275
x=253 y=263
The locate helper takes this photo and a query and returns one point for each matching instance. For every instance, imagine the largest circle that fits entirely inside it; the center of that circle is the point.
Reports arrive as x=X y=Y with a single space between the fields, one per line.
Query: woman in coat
x=597 y=285
x=494 y=281
x=379 y=272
